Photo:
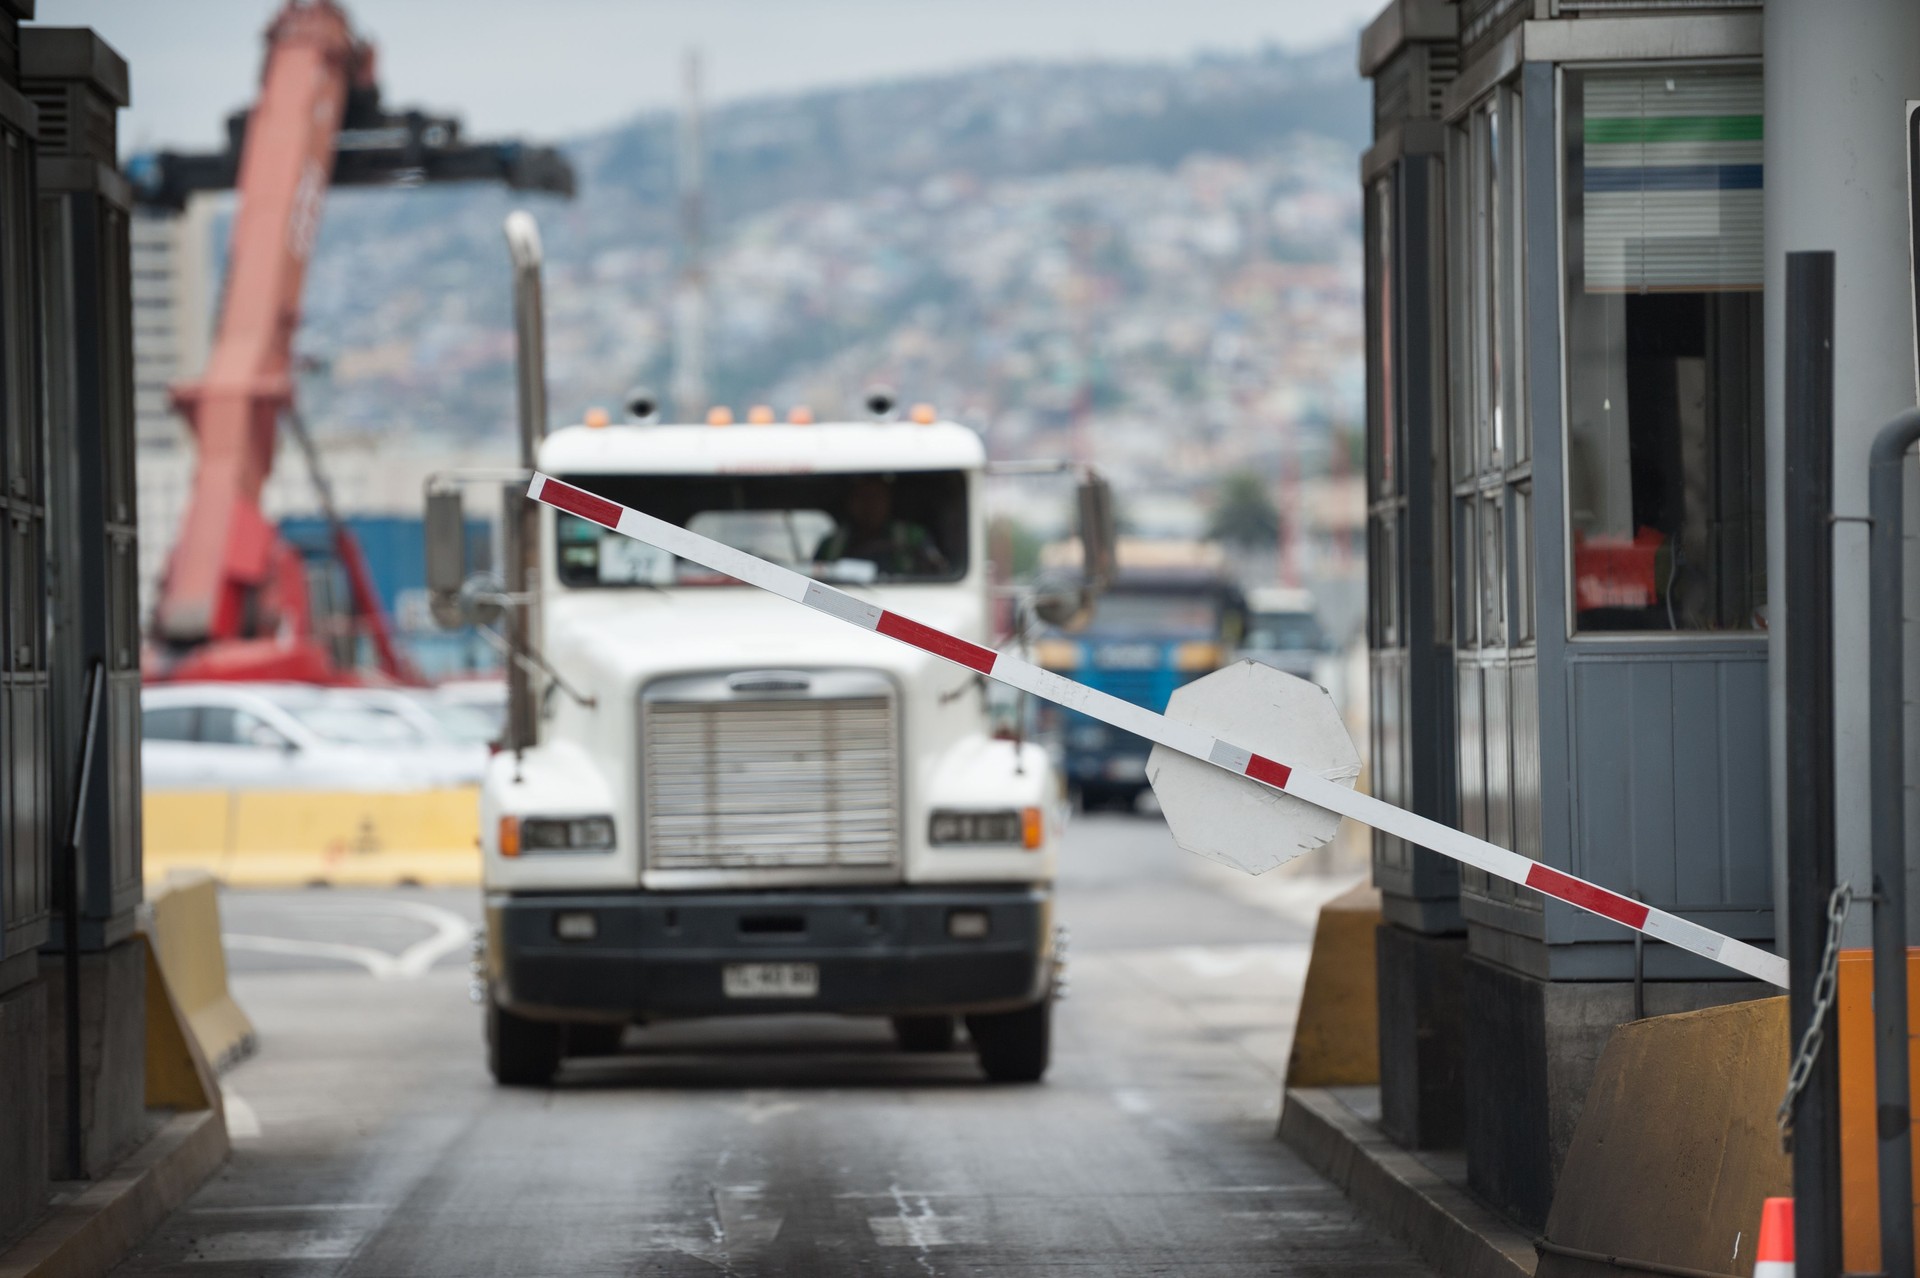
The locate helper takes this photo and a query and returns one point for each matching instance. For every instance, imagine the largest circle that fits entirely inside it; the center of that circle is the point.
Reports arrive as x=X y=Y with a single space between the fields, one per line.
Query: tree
x=1243 y=513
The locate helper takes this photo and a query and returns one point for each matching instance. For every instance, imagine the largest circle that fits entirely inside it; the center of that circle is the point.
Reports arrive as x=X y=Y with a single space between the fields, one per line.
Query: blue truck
x=1153 y=630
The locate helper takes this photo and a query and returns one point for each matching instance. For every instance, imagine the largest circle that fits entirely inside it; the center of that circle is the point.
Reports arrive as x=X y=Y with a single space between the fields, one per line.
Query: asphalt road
x=370 y=1141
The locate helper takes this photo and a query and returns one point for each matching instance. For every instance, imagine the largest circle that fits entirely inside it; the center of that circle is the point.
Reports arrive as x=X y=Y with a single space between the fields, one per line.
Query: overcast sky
x=584 y=64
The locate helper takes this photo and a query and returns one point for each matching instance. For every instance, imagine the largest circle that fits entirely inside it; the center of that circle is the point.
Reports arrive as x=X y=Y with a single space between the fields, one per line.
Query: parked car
x=464 y=731
x=487 y=697
x=285 y=736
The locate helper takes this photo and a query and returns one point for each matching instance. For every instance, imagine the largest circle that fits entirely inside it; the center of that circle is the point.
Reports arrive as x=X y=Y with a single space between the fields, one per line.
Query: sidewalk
x=1419 y=1197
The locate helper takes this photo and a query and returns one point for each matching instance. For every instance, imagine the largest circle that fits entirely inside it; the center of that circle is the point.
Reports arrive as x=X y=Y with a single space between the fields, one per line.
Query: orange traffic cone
x=1775 y=1256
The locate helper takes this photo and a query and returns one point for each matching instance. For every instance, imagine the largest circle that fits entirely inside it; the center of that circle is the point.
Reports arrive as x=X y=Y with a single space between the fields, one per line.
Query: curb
x=1442 y=1223
x=88 y=1234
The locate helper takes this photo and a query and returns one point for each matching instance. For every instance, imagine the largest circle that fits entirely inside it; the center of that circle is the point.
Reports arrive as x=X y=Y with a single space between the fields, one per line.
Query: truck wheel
x=1014 y=1046
x=924 y=1033
x=520 y=1052
x=594 y=1038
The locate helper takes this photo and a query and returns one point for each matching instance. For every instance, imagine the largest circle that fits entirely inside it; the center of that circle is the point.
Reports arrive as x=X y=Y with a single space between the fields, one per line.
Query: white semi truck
x=711 y=803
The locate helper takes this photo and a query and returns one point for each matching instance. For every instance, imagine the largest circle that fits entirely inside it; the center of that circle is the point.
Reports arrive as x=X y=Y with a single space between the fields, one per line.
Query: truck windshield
x=851 y=528
x=1285 y=632
x=1174 y=613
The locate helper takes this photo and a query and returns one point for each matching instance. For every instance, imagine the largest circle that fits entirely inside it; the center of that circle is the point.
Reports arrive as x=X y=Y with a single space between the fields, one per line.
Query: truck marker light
x=1033 y=828
x=719 y=417
x=800 y=415
x=923 y=415
x=596 y=418
x=760 y=415
x=1192 y=740
x=967 y=925
x=509 y=836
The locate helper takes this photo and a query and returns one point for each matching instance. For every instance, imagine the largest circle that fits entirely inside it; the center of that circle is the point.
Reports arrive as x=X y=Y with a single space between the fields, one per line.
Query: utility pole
x=689 y=384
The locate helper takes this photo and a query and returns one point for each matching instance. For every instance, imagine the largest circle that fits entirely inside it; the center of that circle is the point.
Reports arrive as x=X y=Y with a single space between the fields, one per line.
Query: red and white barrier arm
x=1184 y=737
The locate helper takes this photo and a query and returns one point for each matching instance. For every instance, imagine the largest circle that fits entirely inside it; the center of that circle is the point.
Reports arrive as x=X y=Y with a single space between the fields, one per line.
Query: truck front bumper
x=882 y=952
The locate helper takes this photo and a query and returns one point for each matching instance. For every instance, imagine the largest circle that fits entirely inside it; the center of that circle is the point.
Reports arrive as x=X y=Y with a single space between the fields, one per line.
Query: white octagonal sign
x=1229 y=818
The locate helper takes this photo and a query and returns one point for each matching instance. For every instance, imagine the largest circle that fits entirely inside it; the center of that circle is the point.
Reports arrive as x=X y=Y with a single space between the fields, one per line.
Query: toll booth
x=66 y=573
x=1567 y=539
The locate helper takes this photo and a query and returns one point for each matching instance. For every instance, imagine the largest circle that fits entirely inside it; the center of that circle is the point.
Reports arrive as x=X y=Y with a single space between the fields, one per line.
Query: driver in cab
x=868 y=531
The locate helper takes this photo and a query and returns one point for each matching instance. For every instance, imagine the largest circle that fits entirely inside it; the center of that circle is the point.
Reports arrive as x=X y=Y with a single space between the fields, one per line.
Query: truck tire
x=1014 y=1047
x=520 y=1052
x=924 y=1033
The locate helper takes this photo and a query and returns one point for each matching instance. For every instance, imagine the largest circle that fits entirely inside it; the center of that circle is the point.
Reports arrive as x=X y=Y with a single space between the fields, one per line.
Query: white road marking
x=759 y=1106
x=242 y=1122
x=274 y=1244
x=745 y=1222
x=377 y=962
x=915 y=1224
x=451 y=934
x=273 y=1209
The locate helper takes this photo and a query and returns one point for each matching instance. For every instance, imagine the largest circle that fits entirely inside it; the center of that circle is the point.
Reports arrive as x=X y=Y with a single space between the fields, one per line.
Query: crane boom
x=234 y=603
x=225 y=552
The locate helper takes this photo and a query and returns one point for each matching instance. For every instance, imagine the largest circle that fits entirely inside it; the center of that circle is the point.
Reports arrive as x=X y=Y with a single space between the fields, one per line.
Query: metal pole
x=1887 y=734
x=70 y=924
x=1808 y=484
x=520 y=518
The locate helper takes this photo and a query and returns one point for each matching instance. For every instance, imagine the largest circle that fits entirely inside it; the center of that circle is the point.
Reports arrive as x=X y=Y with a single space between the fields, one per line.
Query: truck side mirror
x=446 y=538
x=1098 y=539
x=1061 y=604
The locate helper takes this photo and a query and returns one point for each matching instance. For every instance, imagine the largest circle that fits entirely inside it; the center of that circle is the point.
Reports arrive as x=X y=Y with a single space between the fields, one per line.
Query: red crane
x=236 y=601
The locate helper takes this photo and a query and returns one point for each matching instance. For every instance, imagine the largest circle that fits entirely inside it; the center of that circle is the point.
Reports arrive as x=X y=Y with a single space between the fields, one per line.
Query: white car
x=484 y=697
x=463 y=732
x=217 y=736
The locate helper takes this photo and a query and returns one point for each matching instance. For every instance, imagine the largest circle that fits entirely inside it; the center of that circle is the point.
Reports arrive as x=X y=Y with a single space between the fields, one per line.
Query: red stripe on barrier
x=576 y=501
x=905 y=629
x=1588 y=897
x=1261 y=768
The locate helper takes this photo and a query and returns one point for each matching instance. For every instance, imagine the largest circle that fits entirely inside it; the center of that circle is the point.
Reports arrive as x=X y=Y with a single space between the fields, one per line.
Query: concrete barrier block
x=1336 y=1042
x=1676 y=1146
x=289 y=838
x=178 y=1075
x=185 y=931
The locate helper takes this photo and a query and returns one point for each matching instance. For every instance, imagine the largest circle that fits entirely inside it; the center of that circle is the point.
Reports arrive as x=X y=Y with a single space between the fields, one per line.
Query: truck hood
x=631 y=638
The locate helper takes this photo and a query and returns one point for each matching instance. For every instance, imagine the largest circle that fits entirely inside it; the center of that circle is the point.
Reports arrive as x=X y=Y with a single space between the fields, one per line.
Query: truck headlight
x=1017 y=828
x=564 y=834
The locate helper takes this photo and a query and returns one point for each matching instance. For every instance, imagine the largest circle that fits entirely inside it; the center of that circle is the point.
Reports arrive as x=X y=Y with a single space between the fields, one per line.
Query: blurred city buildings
x=1154 y=266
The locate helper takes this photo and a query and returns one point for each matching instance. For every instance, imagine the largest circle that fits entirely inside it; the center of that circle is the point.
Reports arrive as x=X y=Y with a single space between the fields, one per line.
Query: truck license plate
x=771 y=980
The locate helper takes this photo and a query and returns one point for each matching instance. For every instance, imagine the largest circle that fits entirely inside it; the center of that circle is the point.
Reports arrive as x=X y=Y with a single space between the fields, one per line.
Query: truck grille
x=772 y=782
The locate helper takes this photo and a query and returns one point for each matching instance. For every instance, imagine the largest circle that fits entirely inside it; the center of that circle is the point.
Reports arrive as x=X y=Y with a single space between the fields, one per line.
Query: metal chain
x=1825 y=986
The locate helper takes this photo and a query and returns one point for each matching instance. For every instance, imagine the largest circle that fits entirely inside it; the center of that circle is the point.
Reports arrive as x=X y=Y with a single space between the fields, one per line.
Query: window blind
x=1671 y=180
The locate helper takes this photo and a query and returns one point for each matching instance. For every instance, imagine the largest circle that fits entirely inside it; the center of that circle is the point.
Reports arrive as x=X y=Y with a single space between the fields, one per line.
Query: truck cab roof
x=829 y=448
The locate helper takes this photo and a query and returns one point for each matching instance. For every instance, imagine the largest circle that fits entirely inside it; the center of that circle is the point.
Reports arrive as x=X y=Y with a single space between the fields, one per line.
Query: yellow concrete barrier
x=1337 y=1040
x=185 y=932
x=179 y=1075
x=1676 y=1146
x=286 y=838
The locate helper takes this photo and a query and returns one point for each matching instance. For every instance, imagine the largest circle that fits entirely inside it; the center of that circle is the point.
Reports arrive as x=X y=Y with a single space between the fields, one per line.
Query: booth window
x=1665 y=449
